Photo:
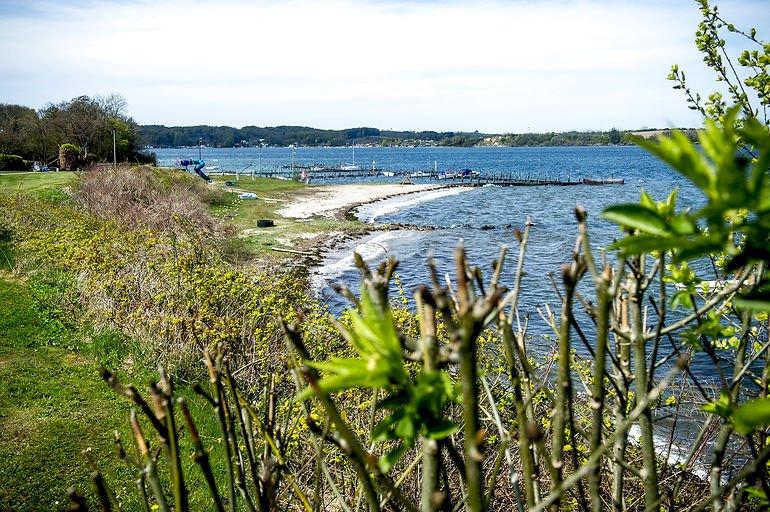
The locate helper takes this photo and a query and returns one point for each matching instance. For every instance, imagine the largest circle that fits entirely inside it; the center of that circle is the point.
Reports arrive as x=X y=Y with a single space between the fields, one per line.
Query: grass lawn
x=53 y=405
x=33 y=181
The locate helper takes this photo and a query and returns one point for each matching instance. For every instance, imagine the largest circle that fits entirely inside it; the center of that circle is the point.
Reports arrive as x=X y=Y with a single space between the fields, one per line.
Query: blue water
x=460 y=217
x=544 y=162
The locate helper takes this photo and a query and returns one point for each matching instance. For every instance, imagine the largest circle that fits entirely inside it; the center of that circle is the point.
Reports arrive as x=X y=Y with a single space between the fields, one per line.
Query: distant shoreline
x=159 y=136
x=363 y=146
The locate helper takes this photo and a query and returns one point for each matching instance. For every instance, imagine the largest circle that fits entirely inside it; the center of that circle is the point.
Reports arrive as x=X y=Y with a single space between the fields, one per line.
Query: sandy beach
x=333 y=200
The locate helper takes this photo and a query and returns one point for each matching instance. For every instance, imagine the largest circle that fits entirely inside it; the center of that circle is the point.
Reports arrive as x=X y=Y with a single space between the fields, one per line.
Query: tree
x=18 y=131
x=747 y=84
x=86 y=122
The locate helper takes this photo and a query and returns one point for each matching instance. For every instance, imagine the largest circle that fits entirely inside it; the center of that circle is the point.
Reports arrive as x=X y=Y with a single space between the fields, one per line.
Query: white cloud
x=492 y=66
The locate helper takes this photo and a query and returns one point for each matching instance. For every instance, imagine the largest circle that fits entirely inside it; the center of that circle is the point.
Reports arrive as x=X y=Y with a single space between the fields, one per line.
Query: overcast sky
x=504 y=66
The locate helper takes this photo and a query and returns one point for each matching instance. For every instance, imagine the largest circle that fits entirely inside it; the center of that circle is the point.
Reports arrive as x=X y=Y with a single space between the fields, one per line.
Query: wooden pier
x=321 y=173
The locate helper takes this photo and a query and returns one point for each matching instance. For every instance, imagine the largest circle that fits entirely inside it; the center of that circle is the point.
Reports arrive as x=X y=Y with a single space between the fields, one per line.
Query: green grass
x=34 y=182
x=272 y=195
x=53 y=405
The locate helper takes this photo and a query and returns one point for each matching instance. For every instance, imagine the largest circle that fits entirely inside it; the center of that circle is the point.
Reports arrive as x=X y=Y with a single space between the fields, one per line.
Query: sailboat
x=353 y=166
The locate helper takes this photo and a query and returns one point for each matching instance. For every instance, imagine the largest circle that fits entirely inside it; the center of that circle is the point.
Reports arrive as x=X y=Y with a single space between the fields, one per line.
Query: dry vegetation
x=146 y=197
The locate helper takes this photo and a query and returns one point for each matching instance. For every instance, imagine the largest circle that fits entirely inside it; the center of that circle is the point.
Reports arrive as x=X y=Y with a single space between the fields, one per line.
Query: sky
x=493 y=66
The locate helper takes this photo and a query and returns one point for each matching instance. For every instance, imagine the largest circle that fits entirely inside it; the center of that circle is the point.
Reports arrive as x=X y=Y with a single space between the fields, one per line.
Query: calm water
x=461 y=216
x=552 y=162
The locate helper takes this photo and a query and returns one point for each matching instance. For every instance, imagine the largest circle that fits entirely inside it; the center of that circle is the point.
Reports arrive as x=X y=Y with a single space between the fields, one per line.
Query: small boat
x=353 y=166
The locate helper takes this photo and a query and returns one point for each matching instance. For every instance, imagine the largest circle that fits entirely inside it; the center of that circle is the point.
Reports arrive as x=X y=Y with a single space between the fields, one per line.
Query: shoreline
x=340 y=200
x=340 y=203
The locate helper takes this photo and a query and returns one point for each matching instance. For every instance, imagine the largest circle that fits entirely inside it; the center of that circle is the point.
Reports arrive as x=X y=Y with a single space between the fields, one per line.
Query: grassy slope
x=53 y=405
x=272 y=195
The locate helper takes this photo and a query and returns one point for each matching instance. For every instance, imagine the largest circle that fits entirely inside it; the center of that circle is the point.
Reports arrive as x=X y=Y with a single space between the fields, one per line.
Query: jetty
x=315 y=173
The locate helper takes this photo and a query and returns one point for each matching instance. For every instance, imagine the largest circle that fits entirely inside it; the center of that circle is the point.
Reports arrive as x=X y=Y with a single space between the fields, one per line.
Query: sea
x=482 y=219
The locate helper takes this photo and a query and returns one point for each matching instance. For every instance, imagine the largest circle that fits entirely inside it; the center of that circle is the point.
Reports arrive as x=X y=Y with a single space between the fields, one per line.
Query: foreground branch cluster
x=438 y=436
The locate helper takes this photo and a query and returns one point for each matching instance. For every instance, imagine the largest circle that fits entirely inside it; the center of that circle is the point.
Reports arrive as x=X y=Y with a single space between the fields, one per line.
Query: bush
x=159 y=199
x=142 y=157
x=13 y=163
x=69 y=157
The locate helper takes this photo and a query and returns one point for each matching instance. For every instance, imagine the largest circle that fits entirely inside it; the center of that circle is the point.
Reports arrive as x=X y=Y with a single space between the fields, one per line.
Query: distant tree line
x=83 y=122
x=227 y=136
x=571 y=138
x=587 y=138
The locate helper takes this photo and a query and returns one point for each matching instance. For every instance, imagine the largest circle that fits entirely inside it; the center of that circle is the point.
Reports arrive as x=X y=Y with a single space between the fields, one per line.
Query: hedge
x=13 y=163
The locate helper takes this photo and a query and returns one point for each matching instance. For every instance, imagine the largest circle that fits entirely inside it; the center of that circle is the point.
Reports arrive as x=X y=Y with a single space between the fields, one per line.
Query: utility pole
x=260 y=159
x=114 y=150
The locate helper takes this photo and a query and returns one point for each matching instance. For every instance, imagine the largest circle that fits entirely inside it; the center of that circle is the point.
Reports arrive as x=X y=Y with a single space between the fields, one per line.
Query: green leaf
x=388 y=460
x=444 y=428
x=681 y=299
x=646 y=200
x=752 y=415
x=639 y=244
x=638 y=217
x=682 y=155
x=384 y=429
x=695 y=248
x=756 y=301
x=405 y=429
x=721 y=407
x=758 y=494
x=671 y=202
x=682 y=224
x=393 y=402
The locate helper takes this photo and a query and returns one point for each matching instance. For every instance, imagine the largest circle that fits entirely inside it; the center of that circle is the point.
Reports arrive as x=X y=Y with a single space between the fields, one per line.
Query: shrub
x=13 y=163
x=146 y=158
x=69 y=157
x=158 y=199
